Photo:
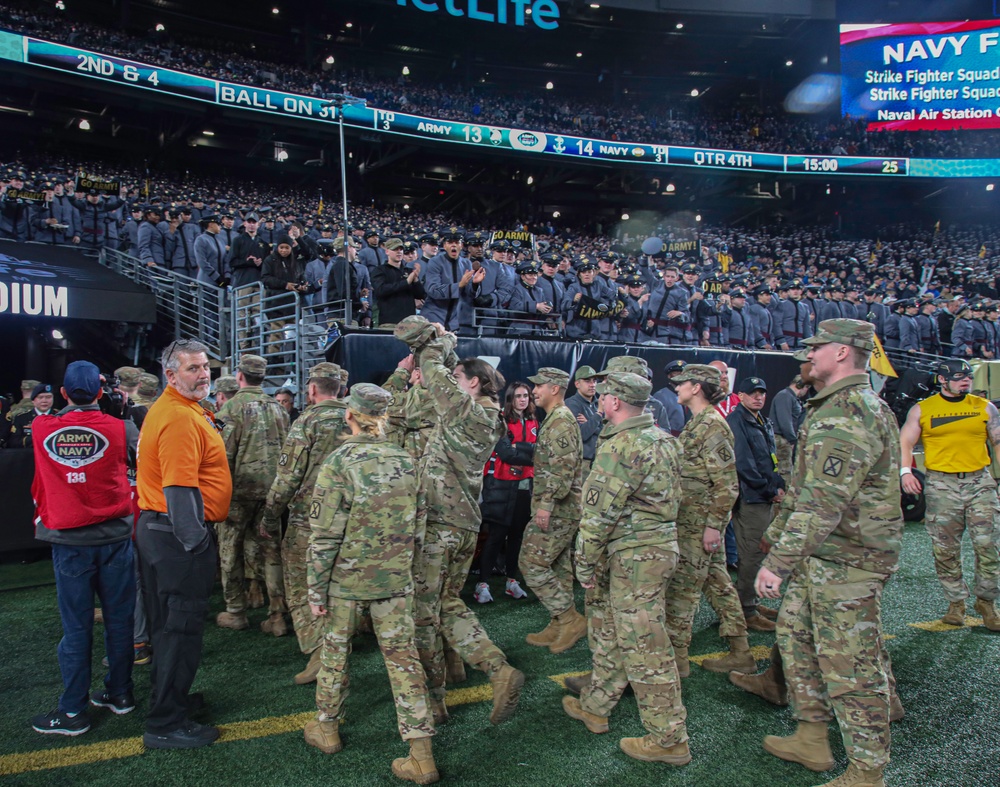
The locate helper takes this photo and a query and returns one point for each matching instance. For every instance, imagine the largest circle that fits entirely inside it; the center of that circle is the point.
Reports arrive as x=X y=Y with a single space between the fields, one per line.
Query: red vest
x=525 y=431
x=81 y=474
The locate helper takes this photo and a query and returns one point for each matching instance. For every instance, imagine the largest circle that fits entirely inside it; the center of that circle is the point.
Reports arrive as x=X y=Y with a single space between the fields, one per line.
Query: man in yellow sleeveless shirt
x=954 y=426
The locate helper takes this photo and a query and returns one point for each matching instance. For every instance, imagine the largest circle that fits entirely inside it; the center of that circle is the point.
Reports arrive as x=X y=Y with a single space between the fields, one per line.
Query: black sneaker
x=117 y=705
x=58 y=723
x=190 y=736
x=143 y=655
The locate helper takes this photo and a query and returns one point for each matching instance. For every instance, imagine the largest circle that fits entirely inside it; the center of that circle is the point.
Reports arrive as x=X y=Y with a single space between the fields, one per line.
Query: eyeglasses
x=176 y=346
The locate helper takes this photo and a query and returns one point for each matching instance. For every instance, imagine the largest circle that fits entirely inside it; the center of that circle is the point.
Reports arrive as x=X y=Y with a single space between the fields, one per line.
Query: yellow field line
x=940 y=625
x=85 y=754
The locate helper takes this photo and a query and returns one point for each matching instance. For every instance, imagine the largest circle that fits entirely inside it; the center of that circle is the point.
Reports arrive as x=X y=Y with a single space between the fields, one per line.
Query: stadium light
x=329 y=60
x=989 y=187
x=160 y=28
x=57 y=335
x=671 y=188
x=556 y=214
x=406 y=71
x=84 y=125
x=275 y=10
x=549 y=86
x=694 y=93
x=697 y=217
x=530 y=180
x=406 y=206
x=595 y=5
x=208 y=133
x=788 y=62
x=579 y=54
x=680 y=25
x=349 y=25
x=624 y=217
x=60 y=5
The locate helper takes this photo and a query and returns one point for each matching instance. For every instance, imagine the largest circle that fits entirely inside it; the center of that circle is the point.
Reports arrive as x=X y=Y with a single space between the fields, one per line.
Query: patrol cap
x=325 y=369
x=751 y=384
x=369 y=399
x=82 y=379
x=674 y=366
x=802 y=355
x=41 y=388
x=27 y=385
x=699 y=373
x=393 y=243
x=626 y=363
x=628 y=387
x=226 y=385
x=527 y=267
x=585 y=373
x=855 y=333
x=149 y=386
x=252 y=364
x=128 y=375
x=338 y=243
x=549 y=375
x=344 y=375
x=415 y=330
x=954 y=369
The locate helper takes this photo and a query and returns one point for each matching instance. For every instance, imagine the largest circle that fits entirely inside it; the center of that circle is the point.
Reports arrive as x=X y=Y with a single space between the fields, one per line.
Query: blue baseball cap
x=82 y=378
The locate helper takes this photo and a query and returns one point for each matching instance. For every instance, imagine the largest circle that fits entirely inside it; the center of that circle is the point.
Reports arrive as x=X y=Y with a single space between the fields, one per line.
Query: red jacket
x=519 y=431
x=81 y=473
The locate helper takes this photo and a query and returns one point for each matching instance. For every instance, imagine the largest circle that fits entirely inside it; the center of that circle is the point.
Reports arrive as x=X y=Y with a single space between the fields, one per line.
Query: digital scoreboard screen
x=931 y=75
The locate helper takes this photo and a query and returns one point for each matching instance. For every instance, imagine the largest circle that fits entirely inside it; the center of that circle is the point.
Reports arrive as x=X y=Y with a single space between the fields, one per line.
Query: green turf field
x=947 y=681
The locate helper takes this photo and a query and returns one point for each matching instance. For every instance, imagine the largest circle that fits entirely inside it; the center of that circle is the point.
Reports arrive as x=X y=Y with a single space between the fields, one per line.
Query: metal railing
x=289 y=330
x=504 y=322
x=192 y=309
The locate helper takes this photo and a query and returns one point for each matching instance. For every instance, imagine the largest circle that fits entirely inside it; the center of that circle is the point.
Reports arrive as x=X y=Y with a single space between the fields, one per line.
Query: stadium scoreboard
x=220 y=93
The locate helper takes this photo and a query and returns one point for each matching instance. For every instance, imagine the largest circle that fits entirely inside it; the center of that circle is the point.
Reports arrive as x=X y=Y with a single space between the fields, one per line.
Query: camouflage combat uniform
x=313 y=437
x=366 y=522
x=411 y=415
x=256 y=427
x=451 y=475
x=546 y=560
x=709 y=488
x=627 y=545
x=840 y=530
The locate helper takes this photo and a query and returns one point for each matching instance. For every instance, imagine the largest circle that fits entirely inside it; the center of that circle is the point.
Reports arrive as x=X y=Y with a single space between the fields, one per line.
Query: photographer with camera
x=84 y=510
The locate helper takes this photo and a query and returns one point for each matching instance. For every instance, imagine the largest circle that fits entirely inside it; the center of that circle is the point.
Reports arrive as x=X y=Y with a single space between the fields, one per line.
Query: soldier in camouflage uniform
x=709 y=488
x=312 y=438
x=411 y=415
x=838 y=538
x=255 y=429
x=25 y=405
x=225 y=388
x=468 y=426
x=546 y=560
x=626 y=550
x=128 y=379
x=367 y=520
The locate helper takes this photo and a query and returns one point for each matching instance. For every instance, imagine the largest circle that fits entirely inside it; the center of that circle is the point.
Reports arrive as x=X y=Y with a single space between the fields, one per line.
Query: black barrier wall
x=17 y=527
x=371 y=358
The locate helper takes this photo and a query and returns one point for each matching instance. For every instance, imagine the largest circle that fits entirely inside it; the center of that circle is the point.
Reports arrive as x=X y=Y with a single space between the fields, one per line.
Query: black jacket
x=276 y=272
x=394 y=294
x=500 y=495
x=755 y=452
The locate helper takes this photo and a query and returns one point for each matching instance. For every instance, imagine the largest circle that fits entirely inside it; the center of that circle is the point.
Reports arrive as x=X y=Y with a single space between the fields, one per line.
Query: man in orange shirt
x=184 y=483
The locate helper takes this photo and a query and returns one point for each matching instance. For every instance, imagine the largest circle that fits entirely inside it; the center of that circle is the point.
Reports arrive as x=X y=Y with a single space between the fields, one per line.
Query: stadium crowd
x=747 y=128
x=723 y=286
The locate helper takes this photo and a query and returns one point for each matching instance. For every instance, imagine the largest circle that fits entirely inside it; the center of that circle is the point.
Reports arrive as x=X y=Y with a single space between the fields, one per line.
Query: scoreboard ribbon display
x=130 y=74
x=934 y=75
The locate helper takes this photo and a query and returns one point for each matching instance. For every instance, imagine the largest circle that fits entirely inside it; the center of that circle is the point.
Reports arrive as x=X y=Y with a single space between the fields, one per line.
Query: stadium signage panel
x=544 y=13
x=106 y=68
x=926 y=76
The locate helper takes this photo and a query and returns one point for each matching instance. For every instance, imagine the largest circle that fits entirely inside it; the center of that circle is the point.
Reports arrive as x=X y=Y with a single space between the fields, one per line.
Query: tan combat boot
x=577 y=684
x=809 y=745
x=572 y=628
x=507 y=683
x=419 y=767
x=896 y=709
x=255 y=595
x=955 y=616
x=683 y=665
x=596 y=724
x=764 y=684
x=456 y=667
x=311 y=672
x=739 y=658
x=648 y=751
x=232 y=620
x=767 y=612
x=275 y=625
x=858 y=777
x=545 y=637
x=760 y=622
x=988 y=610
x=324 y=735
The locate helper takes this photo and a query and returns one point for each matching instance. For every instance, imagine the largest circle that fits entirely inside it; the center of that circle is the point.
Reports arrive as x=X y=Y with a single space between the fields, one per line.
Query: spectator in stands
x=210 y=253
x=283 y=276
x=398 y=292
